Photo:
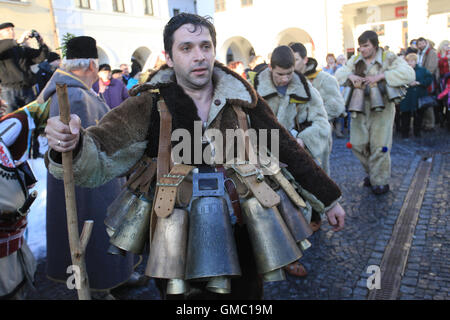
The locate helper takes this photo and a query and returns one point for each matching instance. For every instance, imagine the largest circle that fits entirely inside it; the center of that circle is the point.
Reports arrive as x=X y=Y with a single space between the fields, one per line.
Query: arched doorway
x=236 y=49
x=141 y=55
x=102 y=56
x=296 y=35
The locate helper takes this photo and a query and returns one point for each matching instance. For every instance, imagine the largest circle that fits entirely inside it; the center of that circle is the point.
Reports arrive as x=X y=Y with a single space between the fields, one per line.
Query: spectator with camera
x=16 y=58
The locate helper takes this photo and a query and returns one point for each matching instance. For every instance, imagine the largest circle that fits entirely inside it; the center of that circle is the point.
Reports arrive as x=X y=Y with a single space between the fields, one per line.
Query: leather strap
x=164 y=146
x=254 y=180
x=167 y=189
x=289 y=189
x=243 y=124
x=233 y=194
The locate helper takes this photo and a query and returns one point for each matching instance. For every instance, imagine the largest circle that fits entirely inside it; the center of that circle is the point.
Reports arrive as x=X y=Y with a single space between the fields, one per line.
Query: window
x=84 y=4
x=118 y=6
x=148 y=7
x=220 y=5
x=246 y=3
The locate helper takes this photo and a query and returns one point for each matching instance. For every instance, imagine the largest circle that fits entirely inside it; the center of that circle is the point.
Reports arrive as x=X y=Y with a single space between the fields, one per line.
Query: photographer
x=16 y=58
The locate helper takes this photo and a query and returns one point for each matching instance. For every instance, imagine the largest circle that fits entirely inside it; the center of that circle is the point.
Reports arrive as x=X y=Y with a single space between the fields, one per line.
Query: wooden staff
x=77 y=244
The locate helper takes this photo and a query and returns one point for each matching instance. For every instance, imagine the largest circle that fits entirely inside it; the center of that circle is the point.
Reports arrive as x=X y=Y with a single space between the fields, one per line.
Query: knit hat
x=81 y=48
x=6 y=25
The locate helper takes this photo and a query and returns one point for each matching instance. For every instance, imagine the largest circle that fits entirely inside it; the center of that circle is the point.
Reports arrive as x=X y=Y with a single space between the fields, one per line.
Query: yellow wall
x=27 y=15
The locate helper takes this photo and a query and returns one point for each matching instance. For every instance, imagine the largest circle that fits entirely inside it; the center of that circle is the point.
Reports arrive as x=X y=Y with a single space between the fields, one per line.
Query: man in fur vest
x=371 y=132
x=325 y=83
x=299 y=108
x=195 y=89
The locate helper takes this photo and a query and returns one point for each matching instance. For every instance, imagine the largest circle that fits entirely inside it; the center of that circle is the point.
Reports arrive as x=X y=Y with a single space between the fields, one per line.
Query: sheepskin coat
x=328 y=88
x=112 y=147
x=295 y=107
x=371 y=132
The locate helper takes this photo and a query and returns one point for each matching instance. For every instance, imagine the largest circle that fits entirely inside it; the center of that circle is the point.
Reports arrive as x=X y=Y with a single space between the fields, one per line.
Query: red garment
x=11 y=237
x=105 y=83
x=443 y=65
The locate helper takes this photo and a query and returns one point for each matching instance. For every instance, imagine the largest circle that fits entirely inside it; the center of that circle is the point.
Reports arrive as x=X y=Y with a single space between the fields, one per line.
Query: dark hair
x=186 y=18
x=116 y=71
x=421 y=39
x=104 y=66
x=299 y=48
x=282 y=57
x=411 y=50
x=52 y=56
x=413 y=41
x=371 y=36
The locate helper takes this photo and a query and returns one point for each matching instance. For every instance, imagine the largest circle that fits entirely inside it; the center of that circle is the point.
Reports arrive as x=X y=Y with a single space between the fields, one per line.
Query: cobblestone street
x=338 y=262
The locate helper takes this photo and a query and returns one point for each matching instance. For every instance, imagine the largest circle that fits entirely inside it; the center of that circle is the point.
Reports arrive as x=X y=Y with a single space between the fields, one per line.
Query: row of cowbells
x=354 y=97
x=201 y=247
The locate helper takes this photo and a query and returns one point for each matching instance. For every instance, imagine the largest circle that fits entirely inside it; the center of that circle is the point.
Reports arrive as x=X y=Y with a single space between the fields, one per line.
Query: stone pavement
x=338 y=262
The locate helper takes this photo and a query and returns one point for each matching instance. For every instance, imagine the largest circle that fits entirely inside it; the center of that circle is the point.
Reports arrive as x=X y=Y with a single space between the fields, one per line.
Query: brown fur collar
x=227 y=84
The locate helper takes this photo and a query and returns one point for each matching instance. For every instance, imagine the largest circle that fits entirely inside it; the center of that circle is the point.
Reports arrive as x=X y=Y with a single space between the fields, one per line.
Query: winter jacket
x=115 y=93
x=112 y=147
x=15 y=62
x=328 y=88
x=430 y=60
x=296 y=107
x=411 y=101
x=397 y=72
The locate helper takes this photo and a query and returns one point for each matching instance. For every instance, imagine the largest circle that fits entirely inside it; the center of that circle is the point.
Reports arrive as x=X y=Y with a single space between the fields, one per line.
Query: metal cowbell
x=293 y=218
x=347 y=94
x=272 y=243
x=167 y=258
x=132 y=234
x=357 y=101
x=118 y=209
x=211 y=245
x=376 y=99
x=395 y=94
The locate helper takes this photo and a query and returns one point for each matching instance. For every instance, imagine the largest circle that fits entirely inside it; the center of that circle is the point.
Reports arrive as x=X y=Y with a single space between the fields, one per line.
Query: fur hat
x=82 y=48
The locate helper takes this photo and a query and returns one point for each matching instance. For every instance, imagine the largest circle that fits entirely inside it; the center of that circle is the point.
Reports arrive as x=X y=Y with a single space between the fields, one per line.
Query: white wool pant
x=370 y=134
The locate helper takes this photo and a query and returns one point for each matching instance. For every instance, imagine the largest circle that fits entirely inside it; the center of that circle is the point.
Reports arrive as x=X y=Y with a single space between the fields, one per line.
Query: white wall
x=182 y=5
x=117 y=34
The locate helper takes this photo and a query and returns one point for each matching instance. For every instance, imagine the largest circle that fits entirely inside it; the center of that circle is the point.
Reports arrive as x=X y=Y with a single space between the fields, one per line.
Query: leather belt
x=167 y=190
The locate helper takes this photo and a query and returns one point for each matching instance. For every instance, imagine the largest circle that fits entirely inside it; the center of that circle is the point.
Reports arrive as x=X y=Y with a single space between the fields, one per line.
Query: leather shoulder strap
x=164 y=146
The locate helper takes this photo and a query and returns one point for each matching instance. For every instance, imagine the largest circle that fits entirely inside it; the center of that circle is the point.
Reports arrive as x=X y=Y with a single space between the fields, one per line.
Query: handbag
x=427 y=102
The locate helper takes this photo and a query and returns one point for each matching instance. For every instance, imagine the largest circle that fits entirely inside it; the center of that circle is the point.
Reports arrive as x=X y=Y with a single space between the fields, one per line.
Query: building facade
x=248 y=27
x=124 y=29
x=30 y=15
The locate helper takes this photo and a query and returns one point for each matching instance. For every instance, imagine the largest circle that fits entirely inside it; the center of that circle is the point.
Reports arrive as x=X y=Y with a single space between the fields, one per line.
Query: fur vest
x=294 y=107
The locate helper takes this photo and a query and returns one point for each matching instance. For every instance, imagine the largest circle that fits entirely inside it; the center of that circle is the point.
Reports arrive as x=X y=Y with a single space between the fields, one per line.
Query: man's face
x=367 y=50
x=105 y=75
x=331 y=61
x=55 y=64
x=125 y=70
x=7 y=33
x=281 y=77
x=193 y=56
x=300 y=63
x=421 y=44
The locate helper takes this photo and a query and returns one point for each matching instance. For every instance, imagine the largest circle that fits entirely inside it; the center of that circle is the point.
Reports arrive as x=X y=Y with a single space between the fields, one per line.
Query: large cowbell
x=357 y=101
x=168 y=251
x=395 y=94
x=272 y=243
x=132 y=234
x=118 y=209
x=294 y=220
x=376 y=99
x=212 y=254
